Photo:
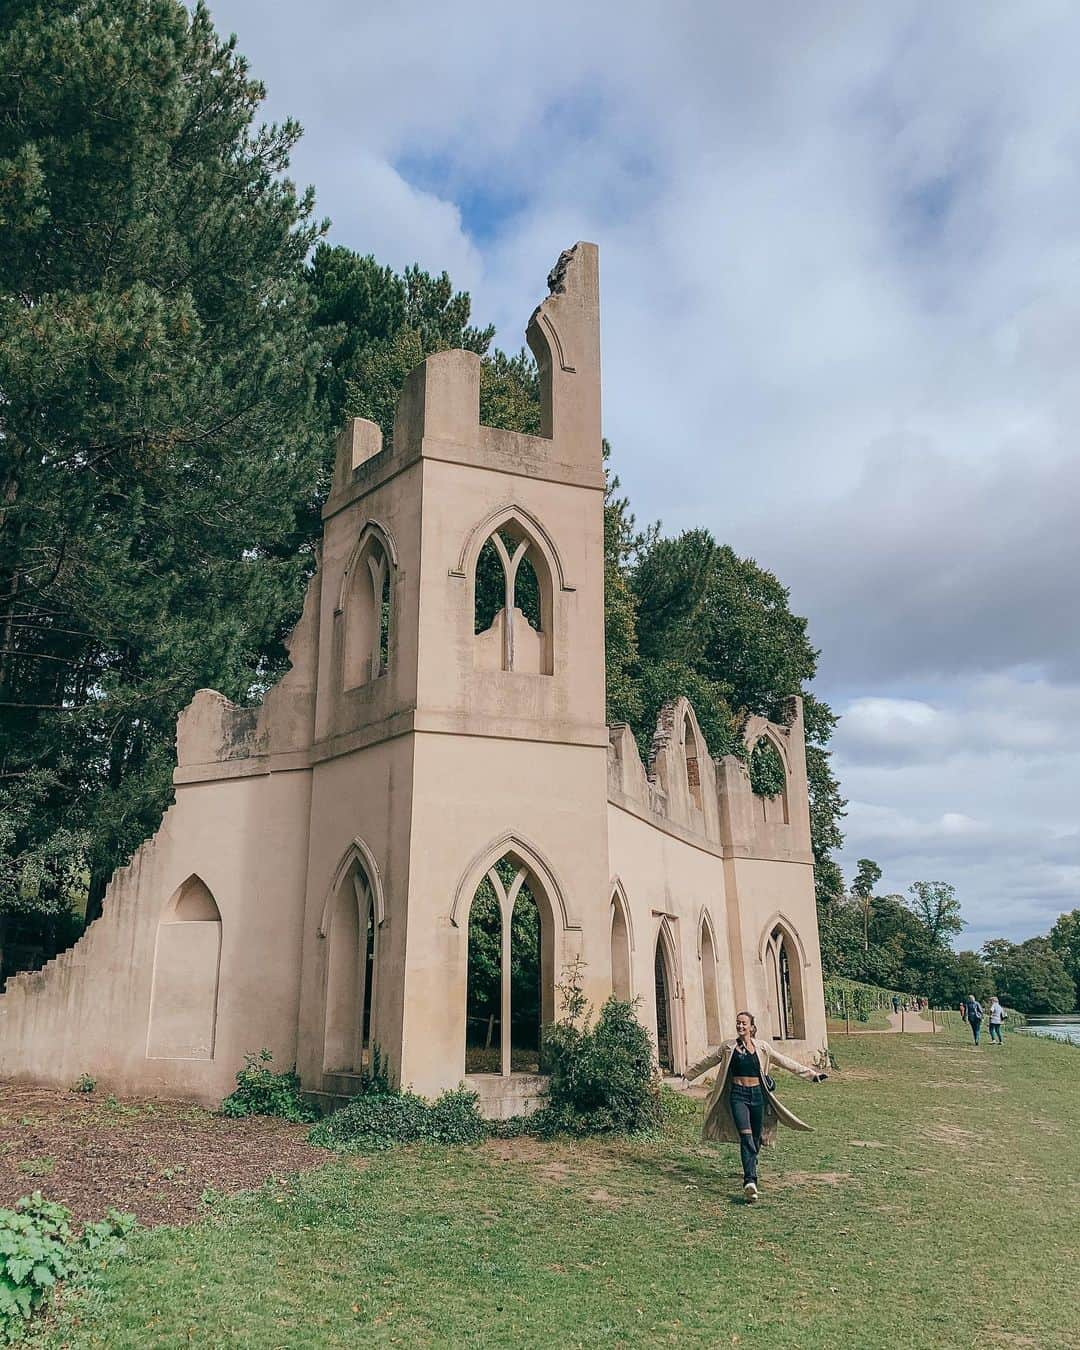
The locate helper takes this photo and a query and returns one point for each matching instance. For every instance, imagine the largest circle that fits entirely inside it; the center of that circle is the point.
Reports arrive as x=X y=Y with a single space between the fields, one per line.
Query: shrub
x=261 y=1092
x=38 y=1248
x=602 y=1076
x=84 y=1083
x=375 y=1120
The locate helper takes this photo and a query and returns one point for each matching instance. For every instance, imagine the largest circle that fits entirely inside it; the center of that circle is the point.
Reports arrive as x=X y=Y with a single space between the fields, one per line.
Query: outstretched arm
x=801 y=1070
x=711 y=1060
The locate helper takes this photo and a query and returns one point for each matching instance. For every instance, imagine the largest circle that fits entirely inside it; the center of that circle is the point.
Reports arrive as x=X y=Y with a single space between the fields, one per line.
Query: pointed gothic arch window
x=184 y=992
x=513 y=599
x=768 y=779
x=693 y=768
x=510 y=981
x=709 y=991
x=784 y=985
x=366 y=608
x=351 y=970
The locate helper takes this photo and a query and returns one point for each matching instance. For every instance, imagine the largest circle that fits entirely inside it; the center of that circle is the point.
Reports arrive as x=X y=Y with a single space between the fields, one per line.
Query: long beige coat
x=719 y=1123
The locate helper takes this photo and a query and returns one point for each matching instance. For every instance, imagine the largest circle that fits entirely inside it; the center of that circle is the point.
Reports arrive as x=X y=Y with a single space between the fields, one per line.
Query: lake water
x=1062 y=1028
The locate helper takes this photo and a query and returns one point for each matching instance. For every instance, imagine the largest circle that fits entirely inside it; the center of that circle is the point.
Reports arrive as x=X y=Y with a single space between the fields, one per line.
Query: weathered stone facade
x=310 y=888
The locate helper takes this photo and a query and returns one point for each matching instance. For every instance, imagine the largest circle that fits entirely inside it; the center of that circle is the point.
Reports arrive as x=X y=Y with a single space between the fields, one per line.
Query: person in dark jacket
x=974 y=1016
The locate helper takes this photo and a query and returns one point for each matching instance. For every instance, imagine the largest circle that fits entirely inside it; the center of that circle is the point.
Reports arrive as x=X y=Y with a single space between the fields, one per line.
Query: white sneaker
x=750 y=1192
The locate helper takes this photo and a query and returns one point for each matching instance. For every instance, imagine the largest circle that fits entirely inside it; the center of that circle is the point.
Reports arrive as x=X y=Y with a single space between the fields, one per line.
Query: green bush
x=38 y=1249
x=602 y=1077
x=376 y=1120
x=261 y=1092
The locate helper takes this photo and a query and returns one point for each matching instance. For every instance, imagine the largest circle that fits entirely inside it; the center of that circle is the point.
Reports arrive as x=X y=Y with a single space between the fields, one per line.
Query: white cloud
x=841 y=291
x=402 y=224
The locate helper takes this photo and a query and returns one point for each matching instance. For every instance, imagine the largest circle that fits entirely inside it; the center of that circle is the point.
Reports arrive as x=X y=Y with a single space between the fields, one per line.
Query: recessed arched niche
x=187 y=959
x=622 y=985
x=365 y=610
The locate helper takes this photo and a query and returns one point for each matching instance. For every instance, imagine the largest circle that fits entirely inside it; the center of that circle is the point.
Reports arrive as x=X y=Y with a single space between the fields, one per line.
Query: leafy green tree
x=621 y=541
x=1065 y=940
x=719 y=629
x=968 y=975
x=1030 y=976
x=867 y=875
x=376 y=326
x=936 y=905
x=157 y=412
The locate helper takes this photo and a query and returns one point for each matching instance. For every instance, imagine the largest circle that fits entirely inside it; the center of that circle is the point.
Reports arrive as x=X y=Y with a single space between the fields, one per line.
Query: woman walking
x=743 y=1105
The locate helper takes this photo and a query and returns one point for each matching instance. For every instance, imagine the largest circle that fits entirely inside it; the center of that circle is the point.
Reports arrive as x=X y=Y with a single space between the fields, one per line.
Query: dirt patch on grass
x=525 y=1149
x=954 y=1135
x=151 y=1159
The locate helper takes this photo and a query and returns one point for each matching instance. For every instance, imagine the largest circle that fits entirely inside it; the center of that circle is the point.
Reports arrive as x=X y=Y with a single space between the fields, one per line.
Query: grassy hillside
x=935 y=1204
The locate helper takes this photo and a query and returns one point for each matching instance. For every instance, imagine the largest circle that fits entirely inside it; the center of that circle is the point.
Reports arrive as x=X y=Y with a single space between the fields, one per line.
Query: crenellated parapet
x=685 y=789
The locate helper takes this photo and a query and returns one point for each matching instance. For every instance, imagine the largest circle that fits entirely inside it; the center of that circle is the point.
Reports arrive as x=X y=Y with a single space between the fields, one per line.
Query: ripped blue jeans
x=748 y=1112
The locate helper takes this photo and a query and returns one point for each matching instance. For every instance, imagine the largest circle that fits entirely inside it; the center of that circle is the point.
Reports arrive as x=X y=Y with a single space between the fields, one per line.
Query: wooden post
x=933 y=1019
x=901 y=1019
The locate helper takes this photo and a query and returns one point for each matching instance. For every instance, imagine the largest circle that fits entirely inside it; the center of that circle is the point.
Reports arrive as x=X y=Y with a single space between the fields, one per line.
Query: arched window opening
x=512 y=604
x=510 y=990
x=664 y=1020
x=783 y=973
x=693 y=770
x=768 y=779
x=525 y=1028
x=710 y=994
x=483 y=1014
x=384 y=622
x=490 y=594
x=527 y=594
x=367 y=606
x=621 y=985
x=351 y=970
x=184 y=993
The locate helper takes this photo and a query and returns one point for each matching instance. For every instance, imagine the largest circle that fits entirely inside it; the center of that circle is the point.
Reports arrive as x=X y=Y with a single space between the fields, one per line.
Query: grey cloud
x=841 y=325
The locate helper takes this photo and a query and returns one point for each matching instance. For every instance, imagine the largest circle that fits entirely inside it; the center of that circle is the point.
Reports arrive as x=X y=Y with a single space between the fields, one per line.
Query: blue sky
x=840 y=252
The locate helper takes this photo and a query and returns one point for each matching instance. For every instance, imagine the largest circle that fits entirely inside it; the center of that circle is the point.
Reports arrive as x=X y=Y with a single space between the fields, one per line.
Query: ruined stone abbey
x=423 y=777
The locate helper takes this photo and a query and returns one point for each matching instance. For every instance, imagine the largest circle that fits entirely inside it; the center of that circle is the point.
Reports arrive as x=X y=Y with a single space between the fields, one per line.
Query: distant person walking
x=743 y=1107
x=895 y=1005
x=997 y=1016
x=974 y=1016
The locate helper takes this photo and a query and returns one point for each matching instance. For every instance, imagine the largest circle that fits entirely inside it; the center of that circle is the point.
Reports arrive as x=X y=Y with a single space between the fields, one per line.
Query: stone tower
x=454 y=749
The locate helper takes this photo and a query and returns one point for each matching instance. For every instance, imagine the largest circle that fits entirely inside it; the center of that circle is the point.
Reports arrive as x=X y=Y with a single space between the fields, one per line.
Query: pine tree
x=158 y=419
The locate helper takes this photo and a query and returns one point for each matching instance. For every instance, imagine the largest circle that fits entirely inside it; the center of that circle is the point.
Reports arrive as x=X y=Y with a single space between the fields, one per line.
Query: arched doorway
x=666 y=990
x=350 y=975
x=783 y=977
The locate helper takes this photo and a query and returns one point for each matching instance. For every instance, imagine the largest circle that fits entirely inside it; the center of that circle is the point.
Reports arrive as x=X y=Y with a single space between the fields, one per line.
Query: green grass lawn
x=937 y=1203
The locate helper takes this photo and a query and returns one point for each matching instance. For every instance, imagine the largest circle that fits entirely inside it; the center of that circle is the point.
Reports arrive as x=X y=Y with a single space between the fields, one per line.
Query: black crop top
x=744 y=1064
